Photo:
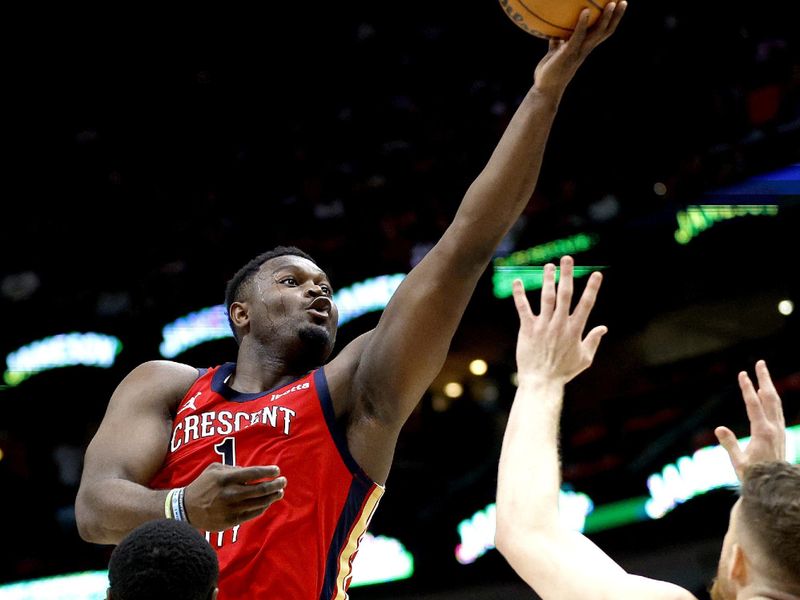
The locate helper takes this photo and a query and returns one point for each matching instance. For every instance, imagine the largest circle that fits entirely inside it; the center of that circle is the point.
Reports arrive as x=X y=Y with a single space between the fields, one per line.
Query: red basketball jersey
x=302 y=547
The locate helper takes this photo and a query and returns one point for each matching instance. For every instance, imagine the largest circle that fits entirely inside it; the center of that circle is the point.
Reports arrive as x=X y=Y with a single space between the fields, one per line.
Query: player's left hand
x=767 y=424
x=550 y=346
x=563 y=58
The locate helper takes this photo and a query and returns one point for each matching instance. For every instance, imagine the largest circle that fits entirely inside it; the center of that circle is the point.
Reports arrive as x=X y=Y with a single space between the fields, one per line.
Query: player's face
x=293 y=302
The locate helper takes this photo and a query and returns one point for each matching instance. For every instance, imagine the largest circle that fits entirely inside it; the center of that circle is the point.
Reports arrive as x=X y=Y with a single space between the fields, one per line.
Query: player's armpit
x=565 y=565
x=127 y=450
x=339 y=373
x=410 y=343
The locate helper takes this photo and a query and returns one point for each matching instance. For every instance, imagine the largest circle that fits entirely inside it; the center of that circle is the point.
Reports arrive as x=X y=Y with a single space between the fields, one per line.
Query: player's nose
x=313 y=290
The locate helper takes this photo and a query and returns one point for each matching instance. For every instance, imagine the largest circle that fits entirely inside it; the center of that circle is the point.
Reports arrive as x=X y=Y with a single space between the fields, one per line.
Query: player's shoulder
x=167 y=378
x=166 y=369
x=153 y=386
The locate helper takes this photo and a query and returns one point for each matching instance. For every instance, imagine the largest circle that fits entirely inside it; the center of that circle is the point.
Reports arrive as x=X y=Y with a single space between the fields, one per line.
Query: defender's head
x=163 y=560
x=761 y=549
x=282 y=299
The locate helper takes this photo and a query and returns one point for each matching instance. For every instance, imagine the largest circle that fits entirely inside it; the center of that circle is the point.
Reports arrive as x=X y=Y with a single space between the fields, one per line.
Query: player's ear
x=240 y=314
x=214 y=594
x=738 y=571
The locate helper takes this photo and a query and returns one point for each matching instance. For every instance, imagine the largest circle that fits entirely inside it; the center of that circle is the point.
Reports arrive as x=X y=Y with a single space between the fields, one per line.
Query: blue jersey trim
x=336 y=430
x=356 y=497
x=223 y=389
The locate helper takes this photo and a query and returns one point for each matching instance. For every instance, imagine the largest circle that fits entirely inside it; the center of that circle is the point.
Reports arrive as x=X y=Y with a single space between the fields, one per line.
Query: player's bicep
x=412 y=338
x=133 y=436
x=130 y=444
x=569 y=566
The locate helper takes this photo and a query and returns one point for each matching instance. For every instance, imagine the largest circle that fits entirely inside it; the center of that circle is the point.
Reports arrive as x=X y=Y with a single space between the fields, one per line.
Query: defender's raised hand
x=551 y=345
x=767 y=424
x=558 y=562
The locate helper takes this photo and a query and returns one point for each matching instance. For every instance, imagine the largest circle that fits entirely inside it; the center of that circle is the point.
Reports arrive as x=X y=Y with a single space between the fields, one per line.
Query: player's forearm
x=556 y=562
x=499 y=194
x=108 y=510
x=529 y=476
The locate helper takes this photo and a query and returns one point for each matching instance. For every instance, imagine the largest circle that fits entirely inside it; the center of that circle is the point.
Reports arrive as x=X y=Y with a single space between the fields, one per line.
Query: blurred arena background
x=150 y=155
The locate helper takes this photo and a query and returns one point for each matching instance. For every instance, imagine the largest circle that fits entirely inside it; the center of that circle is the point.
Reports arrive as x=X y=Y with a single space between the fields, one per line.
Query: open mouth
x=320 y=307
x=321 y=314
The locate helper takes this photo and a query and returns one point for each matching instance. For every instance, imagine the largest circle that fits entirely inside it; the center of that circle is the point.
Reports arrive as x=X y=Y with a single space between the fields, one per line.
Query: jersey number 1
x=227 y=450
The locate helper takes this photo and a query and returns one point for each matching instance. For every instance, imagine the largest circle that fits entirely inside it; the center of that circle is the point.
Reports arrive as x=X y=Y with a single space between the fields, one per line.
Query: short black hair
x=244 y=275
x=163 y=560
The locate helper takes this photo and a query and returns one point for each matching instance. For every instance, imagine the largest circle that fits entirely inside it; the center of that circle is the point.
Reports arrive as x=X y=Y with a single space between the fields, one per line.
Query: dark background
x=149 y=155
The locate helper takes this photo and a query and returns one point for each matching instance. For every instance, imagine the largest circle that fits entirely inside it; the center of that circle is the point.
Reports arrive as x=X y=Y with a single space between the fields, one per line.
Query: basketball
x=551 y=18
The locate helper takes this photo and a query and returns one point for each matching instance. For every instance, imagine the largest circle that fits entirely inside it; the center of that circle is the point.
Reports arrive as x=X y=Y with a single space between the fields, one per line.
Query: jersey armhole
x=337 y=433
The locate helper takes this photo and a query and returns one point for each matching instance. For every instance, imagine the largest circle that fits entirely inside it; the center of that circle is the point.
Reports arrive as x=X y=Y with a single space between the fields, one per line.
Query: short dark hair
x=770 y=506
x=244 y=276
x=163 y=560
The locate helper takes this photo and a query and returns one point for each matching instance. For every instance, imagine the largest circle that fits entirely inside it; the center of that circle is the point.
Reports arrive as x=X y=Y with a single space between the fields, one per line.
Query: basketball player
x=163 y=560
x=276 y=430
x=761 y=551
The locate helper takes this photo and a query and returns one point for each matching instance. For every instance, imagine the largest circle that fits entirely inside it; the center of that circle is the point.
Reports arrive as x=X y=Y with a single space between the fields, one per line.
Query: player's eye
x=289 y=281
x=325 y=290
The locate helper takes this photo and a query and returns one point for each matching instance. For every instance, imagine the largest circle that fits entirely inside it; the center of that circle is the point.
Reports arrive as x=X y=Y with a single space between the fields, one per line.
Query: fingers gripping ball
x=551 y=18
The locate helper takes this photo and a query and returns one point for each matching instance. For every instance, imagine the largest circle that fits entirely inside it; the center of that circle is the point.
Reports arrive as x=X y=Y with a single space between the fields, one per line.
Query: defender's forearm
x=530 y=475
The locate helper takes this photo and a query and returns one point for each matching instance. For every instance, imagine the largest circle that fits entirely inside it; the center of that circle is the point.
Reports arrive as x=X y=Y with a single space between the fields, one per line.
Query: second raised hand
x=767 y=423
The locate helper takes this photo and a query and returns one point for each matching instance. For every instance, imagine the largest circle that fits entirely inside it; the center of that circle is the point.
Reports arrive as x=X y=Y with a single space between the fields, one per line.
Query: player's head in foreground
x=163 y=560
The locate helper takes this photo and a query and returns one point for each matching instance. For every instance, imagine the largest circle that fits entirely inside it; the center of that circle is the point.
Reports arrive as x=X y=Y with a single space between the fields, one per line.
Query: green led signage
x=696 y=219
x=551 y=250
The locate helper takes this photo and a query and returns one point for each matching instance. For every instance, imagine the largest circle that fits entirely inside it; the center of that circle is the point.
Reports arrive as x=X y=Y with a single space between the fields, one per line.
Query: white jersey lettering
x=211 y=423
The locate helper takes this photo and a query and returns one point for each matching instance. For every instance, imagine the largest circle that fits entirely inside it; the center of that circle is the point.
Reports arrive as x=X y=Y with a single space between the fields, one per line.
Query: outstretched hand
x=563 y=57
x=550 y=345
x=223 y=496
x=767 y=424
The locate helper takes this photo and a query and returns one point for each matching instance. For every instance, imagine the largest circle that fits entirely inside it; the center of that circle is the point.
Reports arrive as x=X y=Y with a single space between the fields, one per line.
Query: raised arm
x=410 y=343
x=557 y=562
x=767 y=424
x=129 y=448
